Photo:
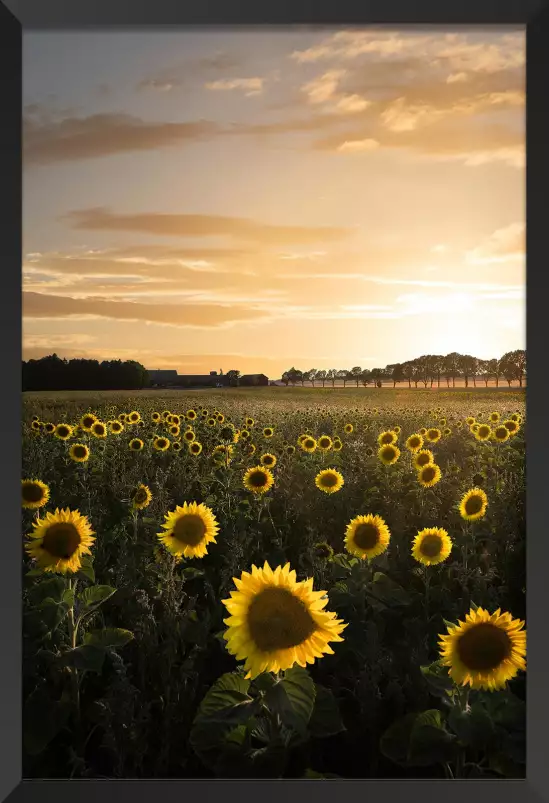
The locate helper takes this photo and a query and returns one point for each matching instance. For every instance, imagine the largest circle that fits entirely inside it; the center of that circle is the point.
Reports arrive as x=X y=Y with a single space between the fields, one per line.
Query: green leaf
x=86 y=567
x=439 y=682
x=264 y=682
x=108 y=637
x=149 y=520
x=293 y=697
x=325 y=719
x=86 y=657
x=34 y=573
x=68 y=597
x=395 y=740
x=43 y=718
x=389 y=591
x=430 y=743
x=473 y=727
x=95 y=595
x=190 y=573
x=52 y=588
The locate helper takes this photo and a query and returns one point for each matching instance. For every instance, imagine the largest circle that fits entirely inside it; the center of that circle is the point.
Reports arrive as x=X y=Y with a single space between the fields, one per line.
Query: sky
x=267 y=198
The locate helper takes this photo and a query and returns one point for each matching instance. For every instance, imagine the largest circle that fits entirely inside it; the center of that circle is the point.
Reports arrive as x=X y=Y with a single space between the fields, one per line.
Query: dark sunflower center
x=88 y=421
x=62 y=431
x=278 y=620
x=414 y=442
x=80 y=451
x=195 y=447
x=61 y=540
x=309 y=443
x=428 y=473
x=268 y=461
x=140 y=496
x=99 y=429
x=511 y=426
x=33 y=493
x=329 y=480
x=161 y=443
x=324 y=442
x=433 y=434
x=431 y=545
x=366 y=535
x=258 y=479
x=189 y=529
x=387 y=438
x=501 y=432
x=484 y=431
x=189 y=436
x=473 y=505
x=484 y=647
x=388 y=453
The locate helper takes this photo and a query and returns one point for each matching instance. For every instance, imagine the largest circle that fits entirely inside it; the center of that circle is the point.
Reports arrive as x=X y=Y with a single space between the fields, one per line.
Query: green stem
x=73 y=632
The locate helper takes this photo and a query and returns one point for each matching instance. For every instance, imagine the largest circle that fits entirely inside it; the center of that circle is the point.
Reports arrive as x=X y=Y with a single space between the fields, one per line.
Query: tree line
x=430 y=369
x=54 y=373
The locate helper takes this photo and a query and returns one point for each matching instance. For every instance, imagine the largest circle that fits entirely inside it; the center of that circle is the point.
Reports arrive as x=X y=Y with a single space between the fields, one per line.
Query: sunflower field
x=274 y=584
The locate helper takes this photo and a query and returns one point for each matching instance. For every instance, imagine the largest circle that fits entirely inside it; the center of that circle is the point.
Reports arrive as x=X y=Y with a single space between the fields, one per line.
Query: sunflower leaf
x=325 y=719
x=86 y=567
x=473 y=727
x=85 y=657
x=293 y=698
x=43 y=718
x=95 y=595
x=108 y=637
x=52 y=587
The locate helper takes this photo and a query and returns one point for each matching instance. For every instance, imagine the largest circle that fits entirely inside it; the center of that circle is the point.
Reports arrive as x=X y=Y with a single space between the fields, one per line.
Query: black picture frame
x=16 y=15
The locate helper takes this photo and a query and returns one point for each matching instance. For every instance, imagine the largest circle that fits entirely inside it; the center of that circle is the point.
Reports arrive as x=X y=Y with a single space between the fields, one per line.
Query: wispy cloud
x=250 y=86
x=504 y=245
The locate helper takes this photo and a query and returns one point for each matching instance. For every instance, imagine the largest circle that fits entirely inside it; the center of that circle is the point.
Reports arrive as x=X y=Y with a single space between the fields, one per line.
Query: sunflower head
x=348 y=428
x=308 y=444
x=512 y=426
x=49 y=428
x=136 y=444
x=59 y=540
x=389 y=454
x=414 y=442
x=155 y=417
x=191 y=415
x=258 y=479
x=220 y=417
x=161 y=444
x=387 y=438
x=63 y=432
x=429 y=475
x=433 y=435
x=484 y=651
x=483 y=433
x=324 y=443
x=470 y=421
x=473 y=504
x=249 y=422
x=87 y=421
x=337 y=445
x=323 y=551
x=116 y=427
x=423 y=432
x=501 y=433
x=431 y=546
x=134 y=417
x=176 y=446
x=268 y=460
x=99 y=429
x=195 y=448
x=188 y=530
x=268 y=432
x=141 y=497
x=367 y=536
x=494 y=417
x=275 y=621
x=329 y=480
x=423 y=458
x=79 y=452
x=35 y=494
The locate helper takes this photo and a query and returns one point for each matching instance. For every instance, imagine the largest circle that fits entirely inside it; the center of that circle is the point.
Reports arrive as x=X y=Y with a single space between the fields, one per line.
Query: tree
x=286 y=377
x=452 y=366
x=332 y=375
x=509 y=367
x=376 y=375
x=312 y=376
x=408 y=371
x=321 y=376
x=467 y=366
x=356 y=373
x=397 y=373
x=365 y=376
x=234 y=378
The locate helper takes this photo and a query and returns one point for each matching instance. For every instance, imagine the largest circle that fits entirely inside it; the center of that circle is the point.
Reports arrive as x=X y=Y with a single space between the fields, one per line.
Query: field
x=127 y=671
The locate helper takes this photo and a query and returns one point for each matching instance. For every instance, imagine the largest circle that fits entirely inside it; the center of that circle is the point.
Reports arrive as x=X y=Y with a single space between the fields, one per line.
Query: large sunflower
x=87 y=421
x=59 y=540
x=431 y=545
x=494 y=417
x=35 y=494
x=258 y=479
x=308 y=444
x=141 y=497
x=329 y=480
x=136 y=444
x=116 y=427
x=99 y=429
x=512 y=425
x=367 y=536
x=433 y=435
x=389 y=454
x=63 y=432
x=473 y=504
x=161 y=444
x=414 y=442
x=79 y=452
x=483 y=433
x=484 y=651
x=324 y=443
x=189 y=530
x=429 y=475
x=195 y=448
x=276 y=622
x=387 y=438
x=501 y=434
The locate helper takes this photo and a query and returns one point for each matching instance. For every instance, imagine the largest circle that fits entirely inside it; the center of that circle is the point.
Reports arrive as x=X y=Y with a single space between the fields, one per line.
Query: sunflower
x=470 y=421
x=483 y=433
x=165 y=414
x=431 y=545
x=63 y=432
x=329 y=480
x=249 y=422
x=484 y=651
x=136 y=444
x=289 y=449
x=228 y=433
x=116 y=427
x=36 y=425
x=429 y=475
x=512 y=426
x=276 y=621
x=191 y=415
x=516 y=417
x=155 y=417
x=442 y=422
x=268 y=432
x=49 y=428
x=211 y=422
x=87 y=421
x=250 y=447
x=337 y=445
x=35 y=493
x=59 y=540
x=308 y=444
x=176 y=419
x=195 y=448
x=123 y=417
x=447 y=431
x=204 y=413
x=423 y=432
x=324 y=443
x=473 y=504
x=268 y=460
x=161 y=444
x=258 y=479
x=323 y=550
x=223 y=451
x=387 y=438
x=501 y=434
x=174 y=430
x=141 y=497
x=79 y=452
x=99 y=429
x=189 y=436
x=494 y=418
x=348 y=428
x=414 y=442
x=220 y=417
x=433 y=435
x=389 y=454
x=367 y=536
x=189 y=530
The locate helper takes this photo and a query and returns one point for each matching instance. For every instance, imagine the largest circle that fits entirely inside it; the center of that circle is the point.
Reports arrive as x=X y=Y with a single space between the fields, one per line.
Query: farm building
x=253 y=380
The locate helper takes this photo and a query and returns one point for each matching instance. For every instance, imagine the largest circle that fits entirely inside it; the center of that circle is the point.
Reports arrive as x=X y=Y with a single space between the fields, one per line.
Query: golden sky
x=266 y=199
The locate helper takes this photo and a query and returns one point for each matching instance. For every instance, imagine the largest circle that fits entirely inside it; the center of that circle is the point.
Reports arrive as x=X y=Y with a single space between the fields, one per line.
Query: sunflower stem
x=73 y=631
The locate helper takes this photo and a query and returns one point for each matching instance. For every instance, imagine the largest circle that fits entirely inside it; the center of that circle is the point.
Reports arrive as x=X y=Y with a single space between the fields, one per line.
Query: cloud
x=358 y=145
x=457 y=78
x=177 y=75
x=324 y=87
x=98 y=135
x=503 y=245
x=38 y=305
x=183 y=225
x=44 y=342
x=250 y=86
